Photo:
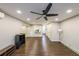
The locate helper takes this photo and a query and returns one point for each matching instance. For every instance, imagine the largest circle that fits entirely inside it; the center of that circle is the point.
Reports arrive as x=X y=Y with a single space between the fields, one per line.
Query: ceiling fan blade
x=52 y=15
x=45 y=18
x=36 y=13
x=39 y=17
x=47 y=9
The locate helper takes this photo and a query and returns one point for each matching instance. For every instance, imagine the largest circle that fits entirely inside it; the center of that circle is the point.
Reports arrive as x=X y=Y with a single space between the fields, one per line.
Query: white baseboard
x=70 y=47
x=53 y=40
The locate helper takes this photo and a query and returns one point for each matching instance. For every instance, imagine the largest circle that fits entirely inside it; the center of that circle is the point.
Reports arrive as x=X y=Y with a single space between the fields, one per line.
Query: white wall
x=31 y=31
x=70 y=35
x=9 y=27
x=52 y=31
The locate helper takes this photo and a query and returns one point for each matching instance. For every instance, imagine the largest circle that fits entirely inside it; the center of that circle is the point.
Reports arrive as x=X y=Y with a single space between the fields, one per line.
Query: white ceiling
x=59 y=8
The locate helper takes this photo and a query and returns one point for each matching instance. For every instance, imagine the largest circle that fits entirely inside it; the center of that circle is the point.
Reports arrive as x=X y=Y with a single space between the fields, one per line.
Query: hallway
x=17 y=19
x=37 y=46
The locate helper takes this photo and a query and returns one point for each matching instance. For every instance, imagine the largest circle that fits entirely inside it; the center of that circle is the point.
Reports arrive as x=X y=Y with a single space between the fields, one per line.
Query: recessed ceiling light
x=56 y=19
x=19 y=11
x=28 y=19
x=69 y=11
x=2 y=15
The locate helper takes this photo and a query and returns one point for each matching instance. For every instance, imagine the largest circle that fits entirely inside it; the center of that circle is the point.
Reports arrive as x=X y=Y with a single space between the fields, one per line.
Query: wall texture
x=70 y=34
x=52 y=31
x=9 y=27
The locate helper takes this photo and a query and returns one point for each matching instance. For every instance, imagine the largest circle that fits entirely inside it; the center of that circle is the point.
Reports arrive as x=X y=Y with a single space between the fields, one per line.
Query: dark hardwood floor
x=43 y=47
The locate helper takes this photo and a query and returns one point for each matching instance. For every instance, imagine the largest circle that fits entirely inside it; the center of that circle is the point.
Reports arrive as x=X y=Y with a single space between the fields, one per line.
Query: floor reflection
x=44 y=44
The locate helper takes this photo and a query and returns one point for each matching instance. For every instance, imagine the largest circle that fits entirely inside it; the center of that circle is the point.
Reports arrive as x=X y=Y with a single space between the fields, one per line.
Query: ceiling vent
x=2 y=15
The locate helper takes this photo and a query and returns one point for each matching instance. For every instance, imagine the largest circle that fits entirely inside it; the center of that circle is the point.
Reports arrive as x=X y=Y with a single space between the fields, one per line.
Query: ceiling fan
x=45 y=12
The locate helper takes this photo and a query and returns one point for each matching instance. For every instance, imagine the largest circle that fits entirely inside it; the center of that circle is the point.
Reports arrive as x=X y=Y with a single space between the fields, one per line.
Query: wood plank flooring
x=41 y=46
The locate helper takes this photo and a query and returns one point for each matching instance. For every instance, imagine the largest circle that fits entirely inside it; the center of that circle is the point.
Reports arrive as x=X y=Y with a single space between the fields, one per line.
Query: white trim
x=70 y=47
